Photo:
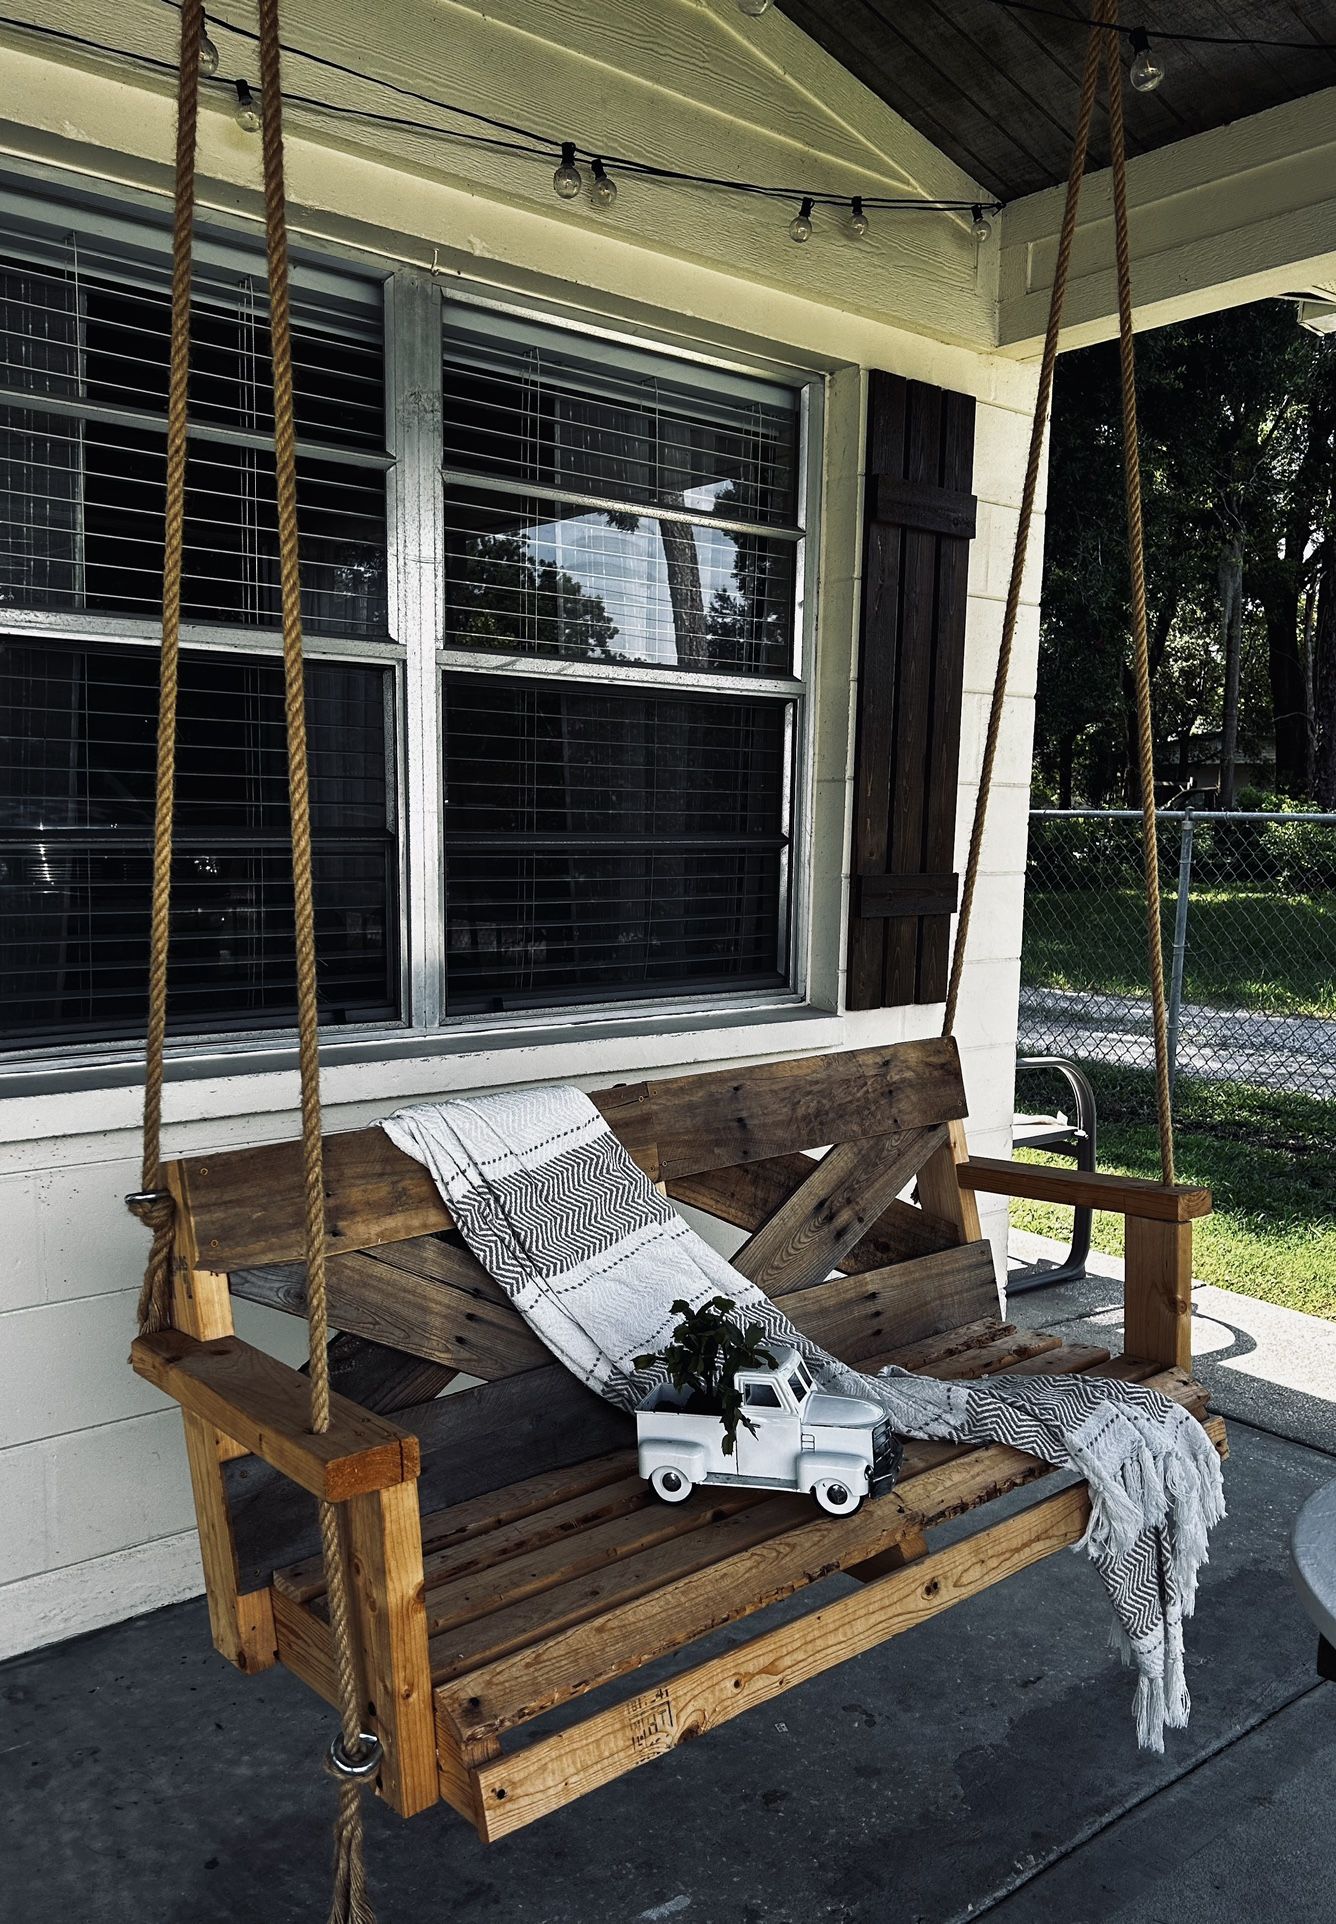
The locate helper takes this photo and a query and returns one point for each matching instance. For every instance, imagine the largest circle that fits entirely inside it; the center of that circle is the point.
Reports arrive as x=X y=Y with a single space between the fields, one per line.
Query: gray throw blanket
x=592 y=1257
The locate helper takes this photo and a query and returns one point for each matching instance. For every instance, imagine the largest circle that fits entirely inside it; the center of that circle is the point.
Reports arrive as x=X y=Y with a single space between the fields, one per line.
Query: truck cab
x=796 y=1436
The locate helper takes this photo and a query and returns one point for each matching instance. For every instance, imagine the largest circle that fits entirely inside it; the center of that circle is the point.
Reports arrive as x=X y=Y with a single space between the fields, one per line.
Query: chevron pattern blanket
x=592 y=1257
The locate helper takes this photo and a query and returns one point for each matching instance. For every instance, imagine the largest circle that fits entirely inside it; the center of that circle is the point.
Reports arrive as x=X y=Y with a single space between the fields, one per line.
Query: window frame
x=416 y=659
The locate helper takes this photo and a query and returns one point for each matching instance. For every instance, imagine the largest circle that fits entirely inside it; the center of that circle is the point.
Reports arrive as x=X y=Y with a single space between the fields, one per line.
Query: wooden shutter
x=918 y=523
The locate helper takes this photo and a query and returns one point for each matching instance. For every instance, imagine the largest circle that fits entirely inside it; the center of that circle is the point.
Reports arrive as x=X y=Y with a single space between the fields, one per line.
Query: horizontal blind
x=603 y=844
x=84 y=346
x=613 y=505
x=77 y=731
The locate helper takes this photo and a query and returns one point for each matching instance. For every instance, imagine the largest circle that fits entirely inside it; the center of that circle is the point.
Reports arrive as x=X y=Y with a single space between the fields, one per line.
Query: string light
x=490 y=135
x=603 y=191
x=208 y=55
x=858 y=221
x=246 y=114
x=981 y=227
x=800 y=227
x=1146 y=72
x=567 y=180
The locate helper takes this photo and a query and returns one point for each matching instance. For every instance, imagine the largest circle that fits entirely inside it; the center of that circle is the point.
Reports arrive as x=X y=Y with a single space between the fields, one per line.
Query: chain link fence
x=1249 y=931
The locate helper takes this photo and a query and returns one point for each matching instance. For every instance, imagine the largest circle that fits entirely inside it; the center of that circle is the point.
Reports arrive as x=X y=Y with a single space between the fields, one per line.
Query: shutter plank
x=920 y=516
x=913 y=715
x=887 y=406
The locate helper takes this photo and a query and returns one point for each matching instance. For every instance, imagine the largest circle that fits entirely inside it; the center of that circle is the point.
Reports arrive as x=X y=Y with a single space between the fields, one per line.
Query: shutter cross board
x=920 y=518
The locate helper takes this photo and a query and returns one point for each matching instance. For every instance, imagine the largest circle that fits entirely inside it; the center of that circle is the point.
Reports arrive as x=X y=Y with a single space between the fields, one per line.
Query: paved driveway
x=1284 y=1052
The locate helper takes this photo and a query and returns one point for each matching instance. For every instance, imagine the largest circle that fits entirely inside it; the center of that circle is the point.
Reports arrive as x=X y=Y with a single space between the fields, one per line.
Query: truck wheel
x=670 y=1484
x=839 y=1498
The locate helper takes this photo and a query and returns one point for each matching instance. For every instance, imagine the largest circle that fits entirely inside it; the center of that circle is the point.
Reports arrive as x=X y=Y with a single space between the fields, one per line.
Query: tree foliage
x=1238 y=455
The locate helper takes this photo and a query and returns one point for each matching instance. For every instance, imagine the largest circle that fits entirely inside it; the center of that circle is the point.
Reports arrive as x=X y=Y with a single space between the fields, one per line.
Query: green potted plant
x=707 y=1349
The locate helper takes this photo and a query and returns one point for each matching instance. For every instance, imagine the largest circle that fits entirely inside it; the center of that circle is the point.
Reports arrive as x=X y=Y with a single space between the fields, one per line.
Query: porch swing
x=475 y=1563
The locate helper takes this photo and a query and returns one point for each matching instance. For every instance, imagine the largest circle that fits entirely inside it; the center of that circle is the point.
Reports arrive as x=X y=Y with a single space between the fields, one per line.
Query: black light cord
x=1168 y=33
x=527 y=141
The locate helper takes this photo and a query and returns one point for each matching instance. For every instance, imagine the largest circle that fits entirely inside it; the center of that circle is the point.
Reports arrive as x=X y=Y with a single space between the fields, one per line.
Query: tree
x=1238 y=415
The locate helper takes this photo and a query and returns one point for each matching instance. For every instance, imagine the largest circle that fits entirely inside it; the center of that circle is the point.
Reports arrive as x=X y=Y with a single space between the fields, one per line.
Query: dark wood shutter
x=918 y=523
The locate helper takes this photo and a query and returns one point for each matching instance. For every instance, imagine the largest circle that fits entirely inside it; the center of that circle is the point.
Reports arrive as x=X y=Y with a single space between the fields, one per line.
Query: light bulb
x=800 y=227
x=247 y=115
x=981 y=227
x=1147 y=71
x=603 y=190
x=208 y=55
x=858 y=221
x=567 y=181
x=753 y=8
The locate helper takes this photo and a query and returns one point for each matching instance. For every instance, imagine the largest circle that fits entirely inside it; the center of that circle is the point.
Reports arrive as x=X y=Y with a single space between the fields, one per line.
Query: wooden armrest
x=265 y=1406
x=1125 y=1195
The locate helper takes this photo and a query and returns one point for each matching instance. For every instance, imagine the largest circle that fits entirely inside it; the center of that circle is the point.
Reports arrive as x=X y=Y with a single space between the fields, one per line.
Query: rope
x=152 y=1205
x=350 y=1903
x=1102 y=42
x=1136 y=557
x=1038 y=428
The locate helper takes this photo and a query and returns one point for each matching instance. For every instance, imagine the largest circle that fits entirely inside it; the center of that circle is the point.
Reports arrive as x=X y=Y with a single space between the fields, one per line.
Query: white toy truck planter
x=836 y=1448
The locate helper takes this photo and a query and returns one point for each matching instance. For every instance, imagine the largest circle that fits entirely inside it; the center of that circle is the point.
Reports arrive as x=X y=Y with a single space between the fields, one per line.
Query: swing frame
x=504 y=1559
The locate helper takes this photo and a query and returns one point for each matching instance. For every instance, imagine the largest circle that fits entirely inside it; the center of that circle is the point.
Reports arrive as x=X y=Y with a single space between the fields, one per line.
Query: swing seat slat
x=518 y=1565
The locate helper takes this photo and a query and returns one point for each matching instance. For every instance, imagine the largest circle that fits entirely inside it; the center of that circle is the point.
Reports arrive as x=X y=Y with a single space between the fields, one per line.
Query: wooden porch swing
x=473 y=1564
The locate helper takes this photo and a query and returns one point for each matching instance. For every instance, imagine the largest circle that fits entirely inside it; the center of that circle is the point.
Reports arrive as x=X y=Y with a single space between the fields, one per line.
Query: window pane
x=76 y=812
x=537 y=404
x=530 y=575
x=82 y=497
x=606 y=844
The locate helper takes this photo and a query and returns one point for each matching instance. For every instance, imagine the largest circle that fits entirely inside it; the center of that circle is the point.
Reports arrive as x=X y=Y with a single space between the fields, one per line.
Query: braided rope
x=350 y=1903
x=152 y=1206
x=1038 y=428
x=1136 y=557
x=1103 y=42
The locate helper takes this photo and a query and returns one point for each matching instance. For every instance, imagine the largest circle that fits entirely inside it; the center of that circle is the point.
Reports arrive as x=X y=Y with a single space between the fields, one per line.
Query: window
x=84 y=332
x=762 y=1396
x=624 y=834
x=570 y=709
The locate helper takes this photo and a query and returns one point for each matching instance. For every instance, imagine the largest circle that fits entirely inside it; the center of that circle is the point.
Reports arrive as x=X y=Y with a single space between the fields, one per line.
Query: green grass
x=1268 y=1160
x=1246 y=950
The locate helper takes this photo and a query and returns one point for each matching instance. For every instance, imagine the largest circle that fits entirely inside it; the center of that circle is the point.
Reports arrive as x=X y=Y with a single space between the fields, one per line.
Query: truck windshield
x=800 y=1382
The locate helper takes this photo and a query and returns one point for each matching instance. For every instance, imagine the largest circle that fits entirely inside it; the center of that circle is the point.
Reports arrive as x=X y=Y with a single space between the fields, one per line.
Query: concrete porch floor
x=983 y=1765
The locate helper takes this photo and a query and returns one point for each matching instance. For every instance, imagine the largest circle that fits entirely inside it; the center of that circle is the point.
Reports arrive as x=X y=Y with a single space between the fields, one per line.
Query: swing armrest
x=266 y=1407
x=1156 y=1202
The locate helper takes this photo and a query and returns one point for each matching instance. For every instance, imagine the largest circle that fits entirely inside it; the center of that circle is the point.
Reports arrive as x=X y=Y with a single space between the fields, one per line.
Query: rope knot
x=154 y=1208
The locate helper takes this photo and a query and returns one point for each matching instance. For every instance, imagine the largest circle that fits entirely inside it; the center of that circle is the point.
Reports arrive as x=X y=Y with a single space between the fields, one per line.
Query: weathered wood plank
x=1157 y=1290
x=381 y=1379
x=548 y=1572
x=266 y=1406
x=940 y=1190
x=241 y=1617
x=472 y=1442
x=246 y=1204
x=1084 y=1189
x=744 y=1115
x=480 y=1530
x=383 y=1543
x=880 y=1309
x=416 y=1303
x=747 y=1194
x=830 y=1212
x=514 y=1790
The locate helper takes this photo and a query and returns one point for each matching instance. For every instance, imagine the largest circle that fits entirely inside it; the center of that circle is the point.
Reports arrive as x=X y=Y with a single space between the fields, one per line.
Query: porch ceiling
x=996 y=89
